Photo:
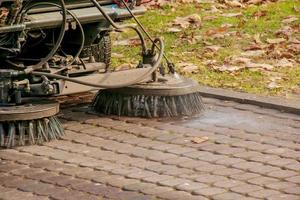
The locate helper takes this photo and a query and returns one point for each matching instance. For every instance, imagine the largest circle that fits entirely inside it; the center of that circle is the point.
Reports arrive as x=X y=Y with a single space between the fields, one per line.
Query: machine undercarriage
x=58 y=47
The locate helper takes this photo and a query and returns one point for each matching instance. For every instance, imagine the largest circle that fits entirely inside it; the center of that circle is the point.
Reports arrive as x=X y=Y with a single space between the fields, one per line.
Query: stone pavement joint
x=109 y=157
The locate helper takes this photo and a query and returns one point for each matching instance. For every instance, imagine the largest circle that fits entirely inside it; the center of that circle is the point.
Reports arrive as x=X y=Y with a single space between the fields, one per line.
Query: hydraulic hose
x=147 y=74
x=59 y=40
x=80 y=27
x=142 y=27
x=108 y=18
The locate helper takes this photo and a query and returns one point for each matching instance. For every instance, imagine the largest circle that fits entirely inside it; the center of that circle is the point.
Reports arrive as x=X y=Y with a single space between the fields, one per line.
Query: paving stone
x=172 y=182
x=209 y=191
x=244 y=176
x=15 y=195
x=154 y=190
x=262 y=181
x=192 y=164
x=280 y=185
x=227 y=171
x=281 y=174
x=283 y=197
x=138 y=187
x=207 y=178
x=11 y=167
x=64 y=181
x=262 y=194
x=228 y=196
x=264 y=169
x=190 y=186
x=125 y=195
x=72 y=195
x=179 y=195
x=294 y=179
x=180 y=150
x=209 y=168
x=91 y=174
x=91 y=188
x=228 y=183
x=293 y=190
x=178 y=172
x=294 y=166
x=229 y=161
x=246 y=189
x=157 y=178
x=178 y=161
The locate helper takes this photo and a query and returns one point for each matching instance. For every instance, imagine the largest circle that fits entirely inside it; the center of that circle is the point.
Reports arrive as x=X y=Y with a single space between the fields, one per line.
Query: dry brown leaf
x=255 y=2
x=213 y=48
x=257 y=39
x=234 y=3
x=264 y=66
x=255 y=53
x=289 y=19
x=174 y=30
x=284 y=63
x=273 y=85
x=275 y=40
x=232 y=14
x=193 y=21
x=188 y=68
x=199 y=140
x=228 y=68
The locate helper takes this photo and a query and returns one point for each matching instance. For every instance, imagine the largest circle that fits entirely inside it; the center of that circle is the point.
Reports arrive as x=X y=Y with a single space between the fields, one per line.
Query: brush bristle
x=108 y=102
x=20 y=133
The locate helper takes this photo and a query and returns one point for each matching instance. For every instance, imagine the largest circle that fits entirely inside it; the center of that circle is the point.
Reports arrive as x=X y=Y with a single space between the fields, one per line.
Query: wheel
x=102 y=50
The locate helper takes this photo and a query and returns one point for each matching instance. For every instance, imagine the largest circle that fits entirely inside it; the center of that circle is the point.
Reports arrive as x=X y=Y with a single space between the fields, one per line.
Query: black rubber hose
x=80 y=27
x=142 y=27
x=132 y=82
x=59 y=40
x=108 y=18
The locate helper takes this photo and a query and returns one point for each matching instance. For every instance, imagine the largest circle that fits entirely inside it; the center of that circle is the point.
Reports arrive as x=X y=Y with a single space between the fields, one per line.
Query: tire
x=102 y=50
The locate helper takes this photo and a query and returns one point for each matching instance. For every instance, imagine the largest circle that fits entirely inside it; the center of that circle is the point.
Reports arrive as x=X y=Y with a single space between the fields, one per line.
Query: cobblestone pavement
x=233 y=151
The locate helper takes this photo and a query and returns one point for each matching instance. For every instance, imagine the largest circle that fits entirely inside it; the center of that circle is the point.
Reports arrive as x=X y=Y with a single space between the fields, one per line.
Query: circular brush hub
x=171 y=96
x=33 y=122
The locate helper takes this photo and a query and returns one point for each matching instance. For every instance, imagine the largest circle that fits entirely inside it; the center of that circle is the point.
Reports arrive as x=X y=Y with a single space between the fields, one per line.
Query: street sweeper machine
x=50 y=48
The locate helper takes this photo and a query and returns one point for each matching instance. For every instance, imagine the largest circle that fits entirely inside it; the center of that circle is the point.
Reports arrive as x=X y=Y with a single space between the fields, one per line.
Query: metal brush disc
x=171 y=96
x=169 y=85
x=35 y=109
x=34 y=122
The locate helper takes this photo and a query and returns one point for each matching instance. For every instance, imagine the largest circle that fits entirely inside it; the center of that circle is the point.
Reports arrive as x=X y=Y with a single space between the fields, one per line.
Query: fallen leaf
x=213 y=48
x=284 y=63
x=273 y=85
x=240 y=60
x=199 y=140
x=264 y=66
x=228 y=68
x=289 y=19
x=256 y=53
x=187 y=22
x=174 y=30
x=232 y=14
x=234 y=3
x=275 y=40
x=188 y=68
x=257 y=39
x=255 y=2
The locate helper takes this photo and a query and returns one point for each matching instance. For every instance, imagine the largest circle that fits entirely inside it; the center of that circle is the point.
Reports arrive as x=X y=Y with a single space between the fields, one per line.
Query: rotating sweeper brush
x=60 y=47
x=162 y=95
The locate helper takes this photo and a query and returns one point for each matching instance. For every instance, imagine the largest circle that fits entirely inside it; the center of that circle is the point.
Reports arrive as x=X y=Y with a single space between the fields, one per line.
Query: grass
x=182 y=51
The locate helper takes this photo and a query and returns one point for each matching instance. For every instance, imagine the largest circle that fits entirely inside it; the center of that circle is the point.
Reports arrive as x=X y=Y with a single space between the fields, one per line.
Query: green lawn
x=190 y=45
